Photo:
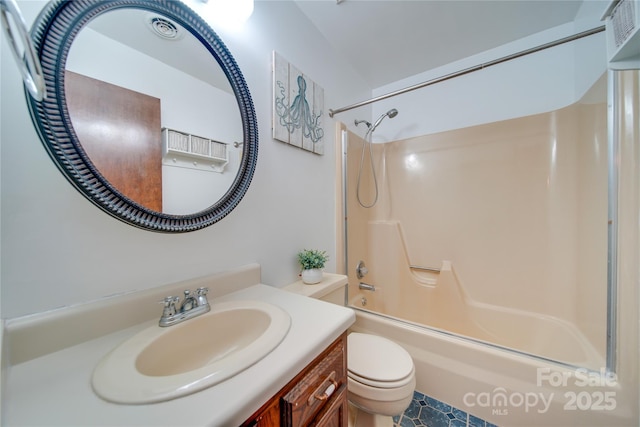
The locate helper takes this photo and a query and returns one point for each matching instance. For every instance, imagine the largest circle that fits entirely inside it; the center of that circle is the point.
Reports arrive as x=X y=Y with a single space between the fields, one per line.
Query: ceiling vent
x=623 y=34
x=164 y=28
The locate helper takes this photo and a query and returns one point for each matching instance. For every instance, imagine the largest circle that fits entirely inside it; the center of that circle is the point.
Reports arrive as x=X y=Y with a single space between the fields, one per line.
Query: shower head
x=391 y=113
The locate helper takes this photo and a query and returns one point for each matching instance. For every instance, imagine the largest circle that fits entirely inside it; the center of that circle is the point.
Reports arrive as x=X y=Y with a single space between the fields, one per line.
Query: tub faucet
x=366 y=287
x=190 y=307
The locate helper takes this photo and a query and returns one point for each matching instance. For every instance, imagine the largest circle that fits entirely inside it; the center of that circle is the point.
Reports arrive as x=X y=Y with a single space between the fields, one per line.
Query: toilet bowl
x=381 y=378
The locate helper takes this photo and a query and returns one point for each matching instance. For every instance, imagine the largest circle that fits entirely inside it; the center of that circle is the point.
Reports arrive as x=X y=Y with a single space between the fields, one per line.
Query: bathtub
x=436 y=297
x=504 y=387
x=441 y=304
x=510 y=367
x=507 y=366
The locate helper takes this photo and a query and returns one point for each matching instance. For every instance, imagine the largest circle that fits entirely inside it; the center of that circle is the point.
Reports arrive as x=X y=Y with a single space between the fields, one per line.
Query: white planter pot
x=311 y=277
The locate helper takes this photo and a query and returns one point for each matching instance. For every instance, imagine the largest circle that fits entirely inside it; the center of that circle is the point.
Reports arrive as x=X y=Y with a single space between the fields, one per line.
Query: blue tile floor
x=429 y=412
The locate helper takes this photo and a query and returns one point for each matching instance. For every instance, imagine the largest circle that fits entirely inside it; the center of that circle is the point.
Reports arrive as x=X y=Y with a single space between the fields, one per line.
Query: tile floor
x=429 y=412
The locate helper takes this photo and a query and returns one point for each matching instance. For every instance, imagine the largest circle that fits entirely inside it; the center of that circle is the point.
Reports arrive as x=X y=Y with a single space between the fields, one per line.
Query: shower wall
x=516 y=208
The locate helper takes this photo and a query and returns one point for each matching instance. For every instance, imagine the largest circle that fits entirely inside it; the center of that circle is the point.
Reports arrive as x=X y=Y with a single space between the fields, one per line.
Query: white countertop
x=55 y=389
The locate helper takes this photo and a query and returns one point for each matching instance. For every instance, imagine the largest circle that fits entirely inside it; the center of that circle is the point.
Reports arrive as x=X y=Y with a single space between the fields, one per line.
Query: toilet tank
x=337 y=296
x=332 y=288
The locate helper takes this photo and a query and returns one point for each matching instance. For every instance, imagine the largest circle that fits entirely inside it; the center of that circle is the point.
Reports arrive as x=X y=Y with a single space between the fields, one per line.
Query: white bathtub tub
x=504 y=387
x=437 y=298
x=542 y=336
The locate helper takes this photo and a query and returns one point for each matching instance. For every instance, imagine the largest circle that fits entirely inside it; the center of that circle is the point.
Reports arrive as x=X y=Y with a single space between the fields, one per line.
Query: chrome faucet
x=366 y=287
x=189 y=302
x=190 y=307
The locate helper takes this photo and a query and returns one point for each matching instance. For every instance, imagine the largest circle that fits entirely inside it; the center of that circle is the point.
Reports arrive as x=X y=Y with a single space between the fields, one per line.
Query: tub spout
x=366 y=287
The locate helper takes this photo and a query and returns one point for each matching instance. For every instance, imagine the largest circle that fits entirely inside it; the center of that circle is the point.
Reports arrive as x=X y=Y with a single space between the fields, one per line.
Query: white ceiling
x=131 y=28
x=388 y=40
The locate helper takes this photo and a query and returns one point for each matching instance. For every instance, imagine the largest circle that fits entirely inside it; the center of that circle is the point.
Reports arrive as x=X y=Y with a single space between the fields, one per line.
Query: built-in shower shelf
x=187 y=150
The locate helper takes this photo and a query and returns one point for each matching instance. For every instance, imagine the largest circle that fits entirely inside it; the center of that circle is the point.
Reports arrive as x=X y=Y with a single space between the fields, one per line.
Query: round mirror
x=147 y=113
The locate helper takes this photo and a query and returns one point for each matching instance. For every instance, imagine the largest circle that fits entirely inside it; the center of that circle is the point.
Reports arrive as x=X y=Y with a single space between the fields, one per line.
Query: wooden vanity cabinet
x=317 y=396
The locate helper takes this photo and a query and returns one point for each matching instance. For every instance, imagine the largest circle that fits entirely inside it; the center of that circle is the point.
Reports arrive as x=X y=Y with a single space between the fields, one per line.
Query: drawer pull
x=323 y=392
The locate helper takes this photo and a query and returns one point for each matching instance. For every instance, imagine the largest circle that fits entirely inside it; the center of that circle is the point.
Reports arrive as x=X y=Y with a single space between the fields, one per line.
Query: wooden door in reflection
x=120 y=131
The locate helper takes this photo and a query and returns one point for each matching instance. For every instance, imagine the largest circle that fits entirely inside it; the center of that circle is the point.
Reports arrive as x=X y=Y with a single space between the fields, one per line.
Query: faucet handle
x=361 y=270
x=202 y=296
x=169 y=305
x=170 y=300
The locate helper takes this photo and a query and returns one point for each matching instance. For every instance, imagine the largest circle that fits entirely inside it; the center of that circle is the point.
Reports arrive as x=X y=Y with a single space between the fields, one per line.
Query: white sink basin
x=159 y=364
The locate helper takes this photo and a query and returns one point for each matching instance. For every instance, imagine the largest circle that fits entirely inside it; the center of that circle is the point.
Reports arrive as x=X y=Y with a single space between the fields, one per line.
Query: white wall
x=59 y=249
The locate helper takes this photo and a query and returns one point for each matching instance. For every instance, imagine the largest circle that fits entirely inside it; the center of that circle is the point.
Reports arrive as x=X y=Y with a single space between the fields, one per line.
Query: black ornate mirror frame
x=53 y=33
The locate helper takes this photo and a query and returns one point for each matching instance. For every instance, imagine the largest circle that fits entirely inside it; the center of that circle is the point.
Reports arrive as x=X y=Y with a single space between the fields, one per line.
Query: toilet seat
x=382 y=384
x=378 y=362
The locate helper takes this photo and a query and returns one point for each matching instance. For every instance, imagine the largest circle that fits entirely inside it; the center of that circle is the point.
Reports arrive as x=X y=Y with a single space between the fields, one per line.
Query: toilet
x=381 y=379
x=380 y=373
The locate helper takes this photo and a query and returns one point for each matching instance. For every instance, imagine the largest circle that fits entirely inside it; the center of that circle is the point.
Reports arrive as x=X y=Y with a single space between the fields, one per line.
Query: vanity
x=53 y=355
x=316 y=396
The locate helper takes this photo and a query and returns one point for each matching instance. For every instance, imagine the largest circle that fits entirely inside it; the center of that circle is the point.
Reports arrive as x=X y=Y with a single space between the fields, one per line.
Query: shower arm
x=358 y=122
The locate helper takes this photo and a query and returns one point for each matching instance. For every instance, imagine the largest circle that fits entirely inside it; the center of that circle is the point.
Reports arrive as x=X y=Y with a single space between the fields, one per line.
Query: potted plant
x=312 y=262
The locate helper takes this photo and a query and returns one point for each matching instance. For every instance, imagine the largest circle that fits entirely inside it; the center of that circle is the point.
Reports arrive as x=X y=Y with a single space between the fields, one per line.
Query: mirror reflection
x=153 y=111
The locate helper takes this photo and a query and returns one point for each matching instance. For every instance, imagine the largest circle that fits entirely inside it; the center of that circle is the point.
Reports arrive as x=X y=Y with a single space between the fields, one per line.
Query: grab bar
x=367 y=287
x=417 y=267
x=29 y=66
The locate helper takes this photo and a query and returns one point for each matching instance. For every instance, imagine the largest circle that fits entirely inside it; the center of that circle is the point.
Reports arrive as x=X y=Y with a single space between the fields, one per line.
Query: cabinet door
x=268 y=417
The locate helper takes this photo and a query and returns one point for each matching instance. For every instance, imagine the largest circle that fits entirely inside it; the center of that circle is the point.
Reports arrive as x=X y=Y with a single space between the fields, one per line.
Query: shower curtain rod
x=470 y=69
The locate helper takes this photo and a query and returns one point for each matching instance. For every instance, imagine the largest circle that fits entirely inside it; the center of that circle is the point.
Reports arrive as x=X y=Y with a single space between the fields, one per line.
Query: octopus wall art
x=298 y=105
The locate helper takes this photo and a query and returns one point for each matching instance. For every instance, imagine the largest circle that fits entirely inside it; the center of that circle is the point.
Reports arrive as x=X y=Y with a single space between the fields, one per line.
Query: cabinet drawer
x=336 y=411
x=316 y=389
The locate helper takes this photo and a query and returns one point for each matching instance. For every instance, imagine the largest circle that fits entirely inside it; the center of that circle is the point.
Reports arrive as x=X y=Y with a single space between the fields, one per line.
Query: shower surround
x=514 y=216
x=496 y=232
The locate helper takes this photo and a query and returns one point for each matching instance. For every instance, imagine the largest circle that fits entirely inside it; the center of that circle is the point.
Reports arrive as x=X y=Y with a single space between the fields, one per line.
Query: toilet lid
x=375 y=359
